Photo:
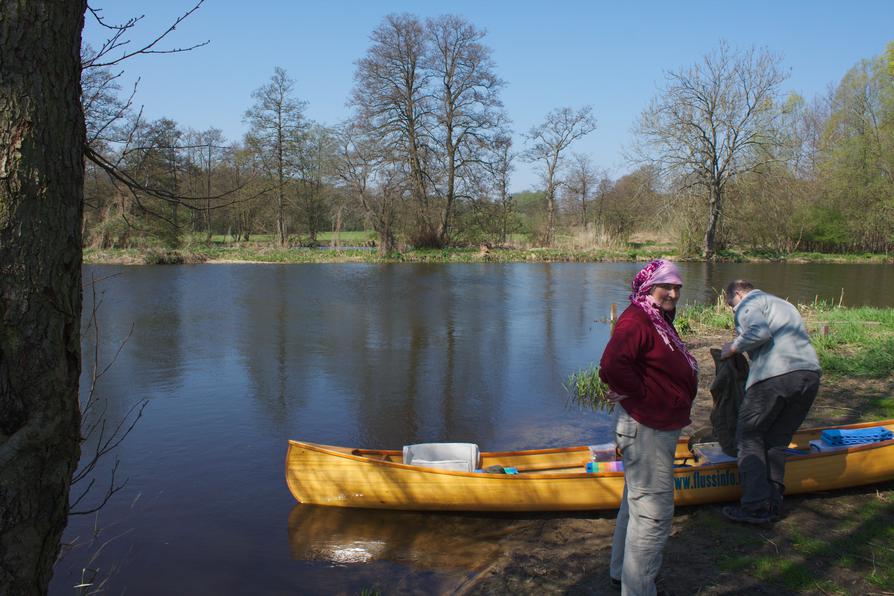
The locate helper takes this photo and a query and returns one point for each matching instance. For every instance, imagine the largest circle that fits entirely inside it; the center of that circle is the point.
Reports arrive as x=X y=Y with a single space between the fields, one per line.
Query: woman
x=654 y=379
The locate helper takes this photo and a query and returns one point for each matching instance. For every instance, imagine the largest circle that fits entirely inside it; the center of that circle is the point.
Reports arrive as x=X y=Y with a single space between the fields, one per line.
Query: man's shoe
x=776 y=511
x=615 y=583
x=737 y=513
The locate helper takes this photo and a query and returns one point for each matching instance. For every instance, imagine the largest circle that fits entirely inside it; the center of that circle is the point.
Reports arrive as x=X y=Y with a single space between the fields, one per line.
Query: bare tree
x=466 y=104
x=243 y=169
x=315 y=169
x=714 y=121
x=581 y=185
x=392 y=99
x=546 y=144
x=103 y=107
x=277 y=127
x=501 y=169
x=604 y=186
x=628 y=203
x=211 y=151
x=371 y=176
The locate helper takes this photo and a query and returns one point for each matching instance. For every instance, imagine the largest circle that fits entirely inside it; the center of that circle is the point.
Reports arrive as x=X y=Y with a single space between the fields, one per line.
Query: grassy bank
x=356 y=252
x=271 y=254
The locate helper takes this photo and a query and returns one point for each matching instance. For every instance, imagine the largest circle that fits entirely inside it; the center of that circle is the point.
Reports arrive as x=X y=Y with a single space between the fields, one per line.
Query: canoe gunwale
x=401 y=466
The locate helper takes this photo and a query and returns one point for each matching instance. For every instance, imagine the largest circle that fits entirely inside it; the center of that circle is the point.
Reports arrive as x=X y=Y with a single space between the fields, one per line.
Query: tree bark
x=714 y=210
x=42 y=140
x=280 y=192
x=550 y=233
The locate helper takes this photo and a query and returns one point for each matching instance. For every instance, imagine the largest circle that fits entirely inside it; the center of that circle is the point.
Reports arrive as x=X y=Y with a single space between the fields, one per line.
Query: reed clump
x=587 y=390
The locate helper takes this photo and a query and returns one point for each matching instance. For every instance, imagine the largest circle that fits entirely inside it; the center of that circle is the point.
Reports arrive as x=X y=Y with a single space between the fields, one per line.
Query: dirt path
x=828 y=543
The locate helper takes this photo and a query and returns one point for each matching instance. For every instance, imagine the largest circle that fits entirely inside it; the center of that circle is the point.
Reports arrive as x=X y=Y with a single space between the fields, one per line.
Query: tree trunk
x=427 y=233
x=386 y=237
x=444 y=226
x=280 y=172
x=280 y=213
x=208 y=200
x=550 y=234
x=713 y=218
x=42 y=139
x=337 y=238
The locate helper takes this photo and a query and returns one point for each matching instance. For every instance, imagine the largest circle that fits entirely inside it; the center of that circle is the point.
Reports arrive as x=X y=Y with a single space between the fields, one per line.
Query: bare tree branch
x=115 y=41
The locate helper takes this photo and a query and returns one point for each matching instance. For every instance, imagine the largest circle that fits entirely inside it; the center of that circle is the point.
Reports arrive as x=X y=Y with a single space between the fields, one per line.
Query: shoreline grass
x=269 y=253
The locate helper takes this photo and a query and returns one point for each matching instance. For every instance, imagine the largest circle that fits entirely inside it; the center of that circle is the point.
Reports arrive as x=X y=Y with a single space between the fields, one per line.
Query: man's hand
x=614 y=396
x=727 y=351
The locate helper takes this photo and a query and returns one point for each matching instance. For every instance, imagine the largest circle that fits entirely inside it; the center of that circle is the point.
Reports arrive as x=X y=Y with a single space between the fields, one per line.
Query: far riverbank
x=267 y=253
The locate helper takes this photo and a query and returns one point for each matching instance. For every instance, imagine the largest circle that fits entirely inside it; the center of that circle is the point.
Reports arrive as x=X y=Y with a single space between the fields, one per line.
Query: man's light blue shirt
x=772 y=332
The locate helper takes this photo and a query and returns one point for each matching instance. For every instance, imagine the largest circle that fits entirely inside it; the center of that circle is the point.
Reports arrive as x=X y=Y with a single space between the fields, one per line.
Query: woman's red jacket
x=657 y=380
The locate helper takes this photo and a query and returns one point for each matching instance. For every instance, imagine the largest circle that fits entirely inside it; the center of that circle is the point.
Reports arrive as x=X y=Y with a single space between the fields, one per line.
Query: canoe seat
x=458 y=457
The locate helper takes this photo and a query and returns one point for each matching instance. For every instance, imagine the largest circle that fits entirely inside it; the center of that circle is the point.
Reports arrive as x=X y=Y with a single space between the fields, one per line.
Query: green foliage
x=587 y=391
x=530 y=210
x=856 y=209
x=827 y=227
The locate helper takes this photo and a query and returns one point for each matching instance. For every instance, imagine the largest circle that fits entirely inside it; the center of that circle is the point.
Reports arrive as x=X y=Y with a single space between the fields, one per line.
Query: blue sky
x=609 y=55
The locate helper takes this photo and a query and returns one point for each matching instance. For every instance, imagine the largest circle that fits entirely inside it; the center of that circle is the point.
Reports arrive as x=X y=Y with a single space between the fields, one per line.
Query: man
x=782 y=383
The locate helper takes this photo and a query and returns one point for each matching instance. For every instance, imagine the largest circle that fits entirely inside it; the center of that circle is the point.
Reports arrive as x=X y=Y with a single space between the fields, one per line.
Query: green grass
x=860 y=341
x=858 y=542
x=270 y=253
x=697 y=318
x=747 y=255
x=351 y=237
x=587 y=390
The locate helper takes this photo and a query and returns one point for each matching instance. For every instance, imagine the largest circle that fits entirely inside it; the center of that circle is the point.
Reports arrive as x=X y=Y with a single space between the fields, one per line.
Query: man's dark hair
x=735 y=286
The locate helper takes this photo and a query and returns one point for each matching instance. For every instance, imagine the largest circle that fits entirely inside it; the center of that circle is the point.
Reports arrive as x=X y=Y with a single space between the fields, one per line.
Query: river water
x=234 y=360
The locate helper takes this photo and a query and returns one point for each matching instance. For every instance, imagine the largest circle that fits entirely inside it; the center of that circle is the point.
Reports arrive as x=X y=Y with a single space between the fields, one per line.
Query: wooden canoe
x=554 y=479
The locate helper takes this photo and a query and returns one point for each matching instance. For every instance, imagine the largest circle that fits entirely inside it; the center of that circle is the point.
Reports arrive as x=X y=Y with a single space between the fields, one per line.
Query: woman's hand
x=614 y=396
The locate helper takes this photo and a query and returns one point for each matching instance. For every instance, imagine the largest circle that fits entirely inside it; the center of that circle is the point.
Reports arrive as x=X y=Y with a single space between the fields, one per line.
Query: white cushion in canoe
x=459 y=457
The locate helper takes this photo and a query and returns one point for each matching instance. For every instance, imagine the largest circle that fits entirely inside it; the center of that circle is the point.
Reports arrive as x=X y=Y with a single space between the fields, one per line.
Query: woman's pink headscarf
x=659 y=271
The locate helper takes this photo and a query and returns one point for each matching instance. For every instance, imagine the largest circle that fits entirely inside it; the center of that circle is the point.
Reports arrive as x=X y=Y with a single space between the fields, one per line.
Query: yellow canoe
x=554 y=479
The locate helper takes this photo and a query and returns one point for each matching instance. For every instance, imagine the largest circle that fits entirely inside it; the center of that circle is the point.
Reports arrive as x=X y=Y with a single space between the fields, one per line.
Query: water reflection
x=425 y=541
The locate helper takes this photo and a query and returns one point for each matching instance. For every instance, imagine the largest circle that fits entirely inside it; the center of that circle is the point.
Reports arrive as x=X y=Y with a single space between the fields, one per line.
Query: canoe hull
x=340 y=477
